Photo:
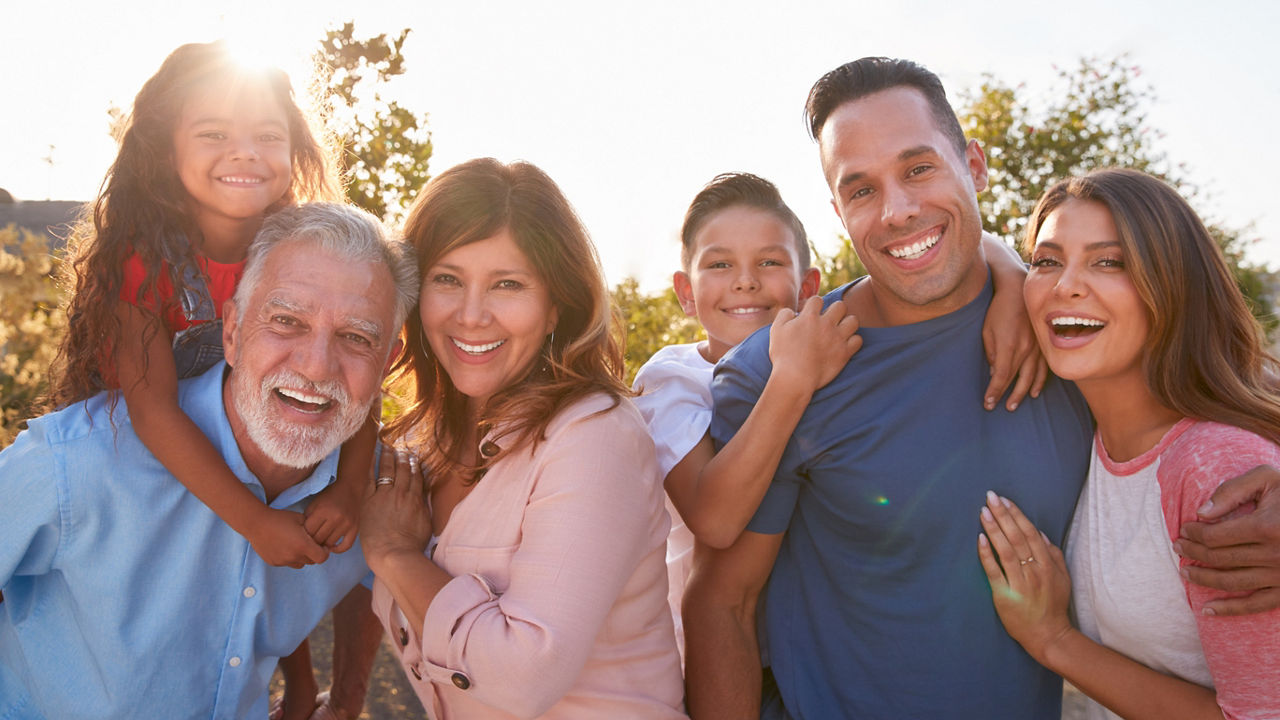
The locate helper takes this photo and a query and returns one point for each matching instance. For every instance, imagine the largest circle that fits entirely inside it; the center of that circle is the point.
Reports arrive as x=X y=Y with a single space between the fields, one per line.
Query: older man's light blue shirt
x=126 y=597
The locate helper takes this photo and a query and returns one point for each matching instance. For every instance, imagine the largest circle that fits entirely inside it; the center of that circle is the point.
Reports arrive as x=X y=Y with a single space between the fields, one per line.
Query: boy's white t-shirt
x=675 y=400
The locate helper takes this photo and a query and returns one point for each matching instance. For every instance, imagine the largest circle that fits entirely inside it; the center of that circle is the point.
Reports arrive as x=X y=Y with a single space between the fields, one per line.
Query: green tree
x=840 y=266
x=31 y=323
x=1095 y=117
x=386 y=147
x=652 y=322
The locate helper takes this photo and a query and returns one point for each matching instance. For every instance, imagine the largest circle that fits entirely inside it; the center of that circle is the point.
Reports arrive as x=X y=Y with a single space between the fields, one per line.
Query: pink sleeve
x=1243 y=653
x=591 y=517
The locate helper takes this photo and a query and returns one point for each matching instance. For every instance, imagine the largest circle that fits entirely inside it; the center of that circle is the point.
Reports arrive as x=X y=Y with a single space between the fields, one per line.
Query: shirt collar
x=201 y=398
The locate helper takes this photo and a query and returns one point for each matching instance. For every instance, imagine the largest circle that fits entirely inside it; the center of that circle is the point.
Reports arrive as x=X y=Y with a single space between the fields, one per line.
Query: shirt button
x=404 y=636
x=461 y=681
x=416 y=675
x=250 y=592
x=234 y=662
x=489 y=449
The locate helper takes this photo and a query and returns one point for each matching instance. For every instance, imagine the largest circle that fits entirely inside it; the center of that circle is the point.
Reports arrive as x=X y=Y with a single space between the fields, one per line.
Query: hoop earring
x=422 y=343
x=549 y=352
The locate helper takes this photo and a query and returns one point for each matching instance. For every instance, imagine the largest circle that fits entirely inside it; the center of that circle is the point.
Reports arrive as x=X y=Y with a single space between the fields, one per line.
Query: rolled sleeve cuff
x=448 y=622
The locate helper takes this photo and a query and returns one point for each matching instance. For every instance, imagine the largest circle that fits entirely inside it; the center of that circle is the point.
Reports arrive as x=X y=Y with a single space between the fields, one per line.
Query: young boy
x=745 y=265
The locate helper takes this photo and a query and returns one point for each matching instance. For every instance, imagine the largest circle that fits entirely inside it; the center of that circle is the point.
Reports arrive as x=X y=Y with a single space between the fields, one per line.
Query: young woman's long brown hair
x=1205 y=356
x=142 y=208
x=472 y=202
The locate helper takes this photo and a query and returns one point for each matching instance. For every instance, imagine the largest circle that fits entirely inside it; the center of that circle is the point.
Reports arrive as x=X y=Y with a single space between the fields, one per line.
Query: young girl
x=1131 y=298
x=208 y=151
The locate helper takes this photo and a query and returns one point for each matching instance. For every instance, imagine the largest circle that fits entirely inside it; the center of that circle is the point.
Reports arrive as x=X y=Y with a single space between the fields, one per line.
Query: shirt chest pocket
x=491 y=563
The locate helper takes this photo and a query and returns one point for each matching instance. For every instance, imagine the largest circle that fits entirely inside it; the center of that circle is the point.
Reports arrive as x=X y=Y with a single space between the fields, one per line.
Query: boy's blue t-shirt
x=878 y=606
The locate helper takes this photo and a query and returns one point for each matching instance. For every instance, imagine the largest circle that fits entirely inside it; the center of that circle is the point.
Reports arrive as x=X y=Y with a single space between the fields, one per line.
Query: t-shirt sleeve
x=1243 y=653
x=675 y=409
x=134 y=276
x=739 y=379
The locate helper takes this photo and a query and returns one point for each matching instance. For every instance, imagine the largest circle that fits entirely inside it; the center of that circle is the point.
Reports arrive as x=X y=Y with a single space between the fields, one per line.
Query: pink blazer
x=558 y=603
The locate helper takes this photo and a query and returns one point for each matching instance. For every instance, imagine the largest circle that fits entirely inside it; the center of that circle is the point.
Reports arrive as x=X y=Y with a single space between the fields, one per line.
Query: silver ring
x=384 y=480
x=1028 y=560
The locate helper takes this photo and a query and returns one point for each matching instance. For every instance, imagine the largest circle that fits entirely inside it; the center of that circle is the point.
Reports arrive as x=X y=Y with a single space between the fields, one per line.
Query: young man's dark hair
x=860 y=78
x=739 y=189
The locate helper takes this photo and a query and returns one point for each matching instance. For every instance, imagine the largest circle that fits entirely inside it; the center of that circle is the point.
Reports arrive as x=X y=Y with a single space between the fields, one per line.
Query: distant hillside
x=49 y=217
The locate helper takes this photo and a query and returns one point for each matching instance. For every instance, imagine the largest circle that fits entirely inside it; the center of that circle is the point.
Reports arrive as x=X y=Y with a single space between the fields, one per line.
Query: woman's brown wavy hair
x=142 y=208
x=475 y=201
x=1204 y=356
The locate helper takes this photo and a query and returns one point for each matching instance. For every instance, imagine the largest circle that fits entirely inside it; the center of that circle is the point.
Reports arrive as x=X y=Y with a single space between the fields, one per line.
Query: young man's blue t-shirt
x=877 y=606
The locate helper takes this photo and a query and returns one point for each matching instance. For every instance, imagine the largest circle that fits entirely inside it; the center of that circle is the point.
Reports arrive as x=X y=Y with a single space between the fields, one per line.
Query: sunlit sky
x=632 y=106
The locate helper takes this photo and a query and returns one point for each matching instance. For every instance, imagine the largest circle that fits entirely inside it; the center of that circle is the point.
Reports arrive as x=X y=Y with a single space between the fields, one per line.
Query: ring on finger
x=384 y=480
x=1028 y=560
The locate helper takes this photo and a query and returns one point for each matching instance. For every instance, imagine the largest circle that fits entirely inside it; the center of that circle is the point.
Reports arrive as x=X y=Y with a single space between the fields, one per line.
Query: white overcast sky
x=632 y=106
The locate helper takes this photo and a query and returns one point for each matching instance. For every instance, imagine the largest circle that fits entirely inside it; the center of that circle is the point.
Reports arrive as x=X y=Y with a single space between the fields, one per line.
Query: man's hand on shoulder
x=1237 y=543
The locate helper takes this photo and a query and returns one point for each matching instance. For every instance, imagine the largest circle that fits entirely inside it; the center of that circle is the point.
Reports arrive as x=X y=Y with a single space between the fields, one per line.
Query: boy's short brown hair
x=735 y=189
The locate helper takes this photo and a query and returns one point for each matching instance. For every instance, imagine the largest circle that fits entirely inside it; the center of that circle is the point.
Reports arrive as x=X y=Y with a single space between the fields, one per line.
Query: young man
x=877 y=606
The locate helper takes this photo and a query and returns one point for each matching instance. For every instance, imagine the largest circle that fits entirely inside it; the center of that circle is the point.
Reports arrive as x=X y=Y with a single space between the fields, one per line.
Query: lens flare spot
x=881 y=500
x=1011 y=594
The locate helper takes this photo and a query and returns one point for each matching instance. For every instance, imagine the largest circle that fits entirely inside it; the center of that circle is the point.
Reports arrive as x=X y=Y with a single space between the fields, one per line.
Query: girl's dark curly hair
x=142 y=209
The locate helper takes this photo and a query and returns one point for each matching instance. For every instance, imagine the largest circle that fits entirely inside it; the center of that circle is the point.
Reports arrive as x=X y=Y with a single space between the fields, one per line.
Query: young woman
x=1131 y=299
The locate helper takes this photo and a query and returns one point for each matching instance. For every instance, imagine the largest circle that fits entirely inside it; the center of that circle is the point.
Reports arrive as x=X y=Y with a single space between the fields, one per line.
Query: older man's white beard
x=291 y=444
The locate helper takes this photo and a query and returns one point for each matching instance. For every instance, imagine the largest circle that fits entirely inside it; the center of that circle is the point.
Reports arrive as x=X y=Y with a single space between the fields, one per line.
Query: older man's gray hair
x=348 y=232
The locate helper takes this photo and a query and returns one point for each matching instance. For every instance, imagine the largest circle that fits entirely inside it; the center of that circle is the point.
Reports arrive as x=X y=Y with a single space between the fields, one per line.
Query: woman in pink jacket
x=520 y=572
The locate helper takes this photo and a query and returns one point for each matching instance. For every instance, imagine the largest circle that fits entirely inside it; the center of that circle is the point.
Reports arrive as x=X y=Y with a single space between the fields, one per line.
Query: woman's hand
x=1032 y=589
x=395 y=518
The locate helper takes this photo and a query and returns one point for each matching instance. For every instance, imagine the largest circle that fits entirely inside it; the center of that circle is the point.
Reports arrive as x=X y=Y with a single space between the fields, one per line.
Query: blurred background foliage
x=31 y=322
x=1094 y=115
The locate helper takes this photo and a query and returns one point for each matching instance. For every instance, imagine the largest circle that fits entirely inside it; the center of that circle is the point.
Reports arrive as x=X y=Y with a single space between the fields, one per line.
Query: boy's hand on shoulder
x=332 y=517
x=808 y=349
x=281 y=540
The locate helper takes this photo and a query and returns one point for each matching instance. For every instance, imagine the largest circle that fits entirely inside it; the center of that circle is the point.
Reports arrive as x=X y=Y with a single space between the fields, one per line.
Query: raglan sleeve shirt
x=1242 y=652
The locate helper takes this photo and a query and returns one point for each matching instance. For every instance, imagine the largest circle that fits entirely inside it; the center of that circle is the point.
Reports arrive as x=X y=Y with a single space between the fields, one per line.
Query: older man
x=126 y=597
